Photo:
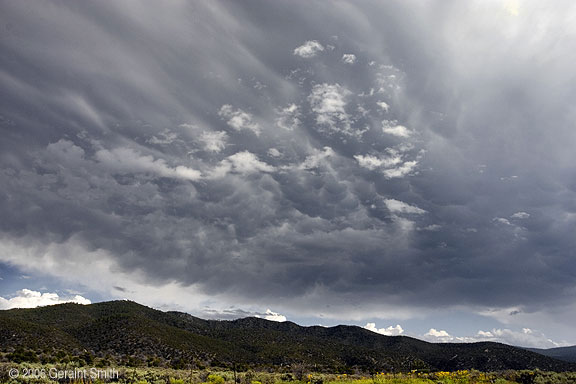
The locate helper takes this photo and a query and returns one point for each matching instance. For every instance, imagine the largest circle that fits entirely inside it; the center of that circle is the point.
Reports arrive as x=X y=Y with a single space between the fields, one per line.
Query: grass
x=172 y=376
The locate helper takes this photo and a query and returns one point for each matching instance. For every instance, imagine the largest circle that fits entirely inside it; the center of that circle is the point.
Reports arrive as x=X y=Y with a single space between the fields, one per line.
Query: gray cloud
x=193 y=145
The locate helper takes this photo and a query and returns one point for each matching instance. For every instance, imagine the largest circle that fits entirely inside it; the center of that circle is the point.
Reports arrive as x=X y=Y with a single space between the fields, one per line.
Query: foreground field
x=30 y=373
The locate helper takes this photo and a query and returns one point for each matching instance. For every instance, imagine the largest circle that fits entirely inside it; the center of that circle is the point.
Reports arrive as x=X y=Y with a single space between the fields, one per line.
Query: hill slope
x=132 y=334
x=561 y=353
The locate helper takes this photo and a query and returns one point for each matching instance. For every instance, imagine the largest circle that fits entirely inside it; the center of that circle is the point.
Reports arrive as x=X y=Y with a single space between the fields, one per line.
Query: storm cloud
x=348 y=159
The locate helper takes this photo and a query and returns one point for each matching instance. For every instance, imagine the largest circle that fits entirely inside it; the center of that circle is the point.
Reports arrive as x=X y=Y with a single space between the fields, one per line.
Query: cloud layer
x=401 y=156
x=27 y=298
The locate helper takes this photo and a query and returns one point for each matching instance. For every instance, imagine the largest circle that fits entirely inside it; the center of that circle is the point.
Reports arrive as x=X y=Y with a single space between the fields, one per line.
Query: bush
x=215 y=379
x=21 y=356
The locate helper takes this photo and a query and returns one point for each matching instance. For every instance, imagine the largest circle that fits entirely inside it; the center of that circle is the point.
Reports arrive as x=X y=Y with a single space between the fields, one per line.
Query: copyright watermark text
x=59 y=374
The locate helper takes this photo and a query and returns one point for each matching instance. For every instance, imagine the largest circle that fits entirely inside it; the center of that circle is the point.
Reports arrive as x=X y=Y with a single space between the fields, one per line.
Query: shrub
x=215 y=379
x=21 y=356
x=248 y=377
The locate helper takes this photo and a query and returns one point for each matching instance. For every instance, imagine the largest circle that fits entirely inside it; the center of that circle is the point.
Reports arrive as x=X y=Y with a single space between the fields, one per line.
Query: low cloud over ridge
x=27 y=298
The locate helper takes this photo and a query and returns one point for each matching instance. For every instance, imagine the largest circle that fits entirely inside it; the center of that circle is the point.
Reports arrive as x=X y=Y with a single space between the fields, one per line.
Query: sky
x=402 y=165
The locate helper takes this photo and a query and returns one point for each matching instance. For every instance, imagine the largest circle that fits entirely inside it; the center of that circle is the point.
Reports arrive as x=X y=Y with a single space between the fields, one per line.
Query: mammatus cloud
x=317 y=159
x=374 y=162
x=127 y=160
x=214 y=141
x=502 y=220
x=328 y=102
x=238 y=119
x=274 y=152
x=402 y=170
x=391 y=165
x=392 y=128
x=396 y=206
x=243 y=163
x=223 y=169
x=288 y=117
x=163 y=138
x=349 y=58
x=27 y=298
x=309 y=49
x=383 y=106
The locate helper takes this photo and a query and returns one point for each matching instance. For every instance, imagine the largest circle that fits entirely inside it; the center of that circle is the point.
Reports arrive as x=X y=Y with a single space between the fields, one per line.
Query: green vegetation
x=171 y=376
x=124 y=333
x=560 y=353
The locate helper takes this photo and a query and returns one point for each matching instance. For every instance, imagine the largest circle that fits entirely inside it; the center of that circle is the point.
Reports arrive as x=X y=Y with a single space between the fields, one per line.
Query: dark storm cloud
x=191 y=143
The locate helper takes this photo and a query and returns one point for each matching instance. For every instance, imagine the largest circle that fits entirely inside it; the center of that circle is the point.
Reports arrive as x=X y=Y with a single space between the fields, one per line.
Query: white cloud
x=520 y=215
x=328 y=102
x=502 y=220
x=164 y=137
x=214 y=141
x=186 y=173
x=431 y=228
x=397 y=206
x=349 y=58
x=238 y=119
x=309 y=49
x=404 y=225
x=389 y=80
x=485 y=334
x=362 y=111
x=27 y=298
x=392 y=166
x=442 y=336
x=64 y=259
x=246 y=162
x=390 y=127
x=388 y=331
x=401 y=171
x=288 y=118
x=189 y=126
x=512 y=7
x=128 y=160
x=525 y=338
x=383 y=106
x=438 y=334
x=242 y=162
x=503 y=315
x=273 y=316
x=373 y=162
x=274 y=152
x=314 y=160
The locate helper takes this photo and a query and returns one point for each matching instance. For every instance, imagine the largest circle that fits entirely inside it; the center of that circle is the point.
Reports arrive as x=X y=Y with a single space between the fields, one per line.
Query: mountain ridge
x=561 y=353
x=125 y=332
